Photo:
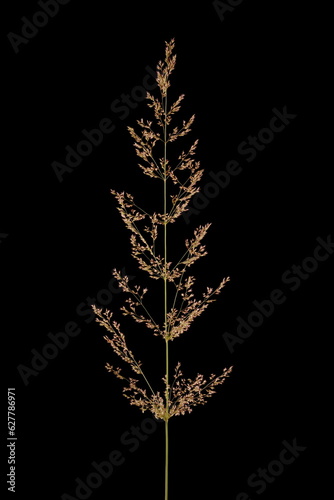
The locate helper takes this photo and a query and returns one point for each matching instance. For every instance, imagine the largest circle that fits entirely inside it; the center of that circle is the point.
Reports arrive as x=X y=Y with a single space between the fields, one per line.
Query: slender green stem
x=165 y=302
x=166 y=460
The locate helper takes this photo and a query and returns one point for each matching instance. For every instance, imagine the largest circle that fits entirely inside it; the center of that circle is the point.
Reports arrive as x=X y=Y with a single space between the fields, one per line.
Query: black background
x=64 y=238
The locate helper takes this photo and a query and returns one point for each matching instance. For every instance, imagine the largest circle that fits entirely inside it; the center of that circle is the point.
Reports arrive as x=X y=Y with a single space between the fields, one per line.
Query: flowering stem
x=165 y=300
x=182 y=394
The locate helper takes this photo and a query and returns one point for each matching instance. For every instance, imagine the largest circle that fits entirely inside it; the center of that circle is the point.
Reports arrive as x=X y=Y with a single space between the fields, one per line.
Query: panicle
x=183 y=174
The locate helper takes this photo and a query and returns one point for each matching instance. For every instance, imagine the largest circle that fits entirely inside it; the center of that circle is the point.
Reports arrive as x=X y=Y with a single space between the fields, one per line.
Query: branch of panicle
x=180 y=320
x=187 y=393
x=117 y=342
x=131 y=310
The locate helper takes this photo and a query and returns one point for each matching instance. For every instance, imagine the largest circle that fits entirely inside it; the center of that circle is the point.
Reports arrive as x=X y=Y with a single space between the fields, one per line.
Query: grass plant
x=178 y=178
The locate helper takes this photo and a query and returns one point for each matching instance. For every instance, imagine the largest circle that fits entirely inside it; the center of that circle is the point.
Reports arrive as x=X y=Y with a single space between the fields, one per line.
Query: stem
x=166 y=460
x=165 y=302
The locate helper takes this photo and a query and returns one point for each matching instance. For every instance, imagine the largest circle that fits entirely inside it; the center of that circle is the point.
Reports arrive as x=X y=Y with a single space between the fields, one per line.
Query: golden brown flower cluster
x=183 y=175
x=183 y=394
